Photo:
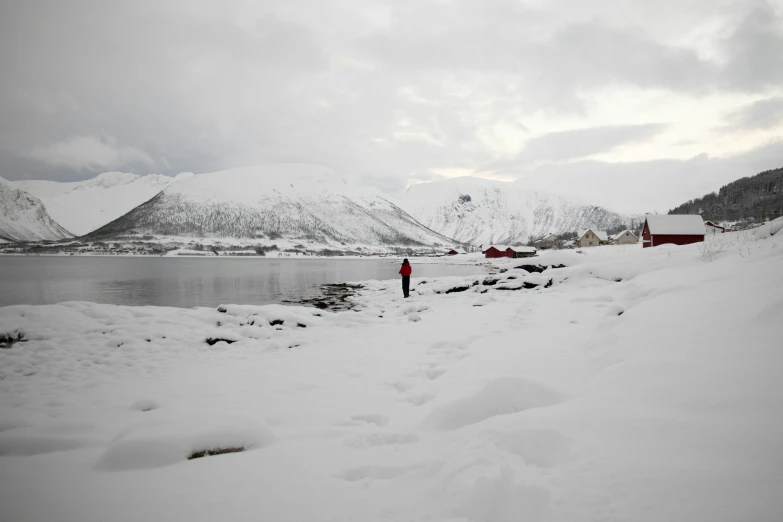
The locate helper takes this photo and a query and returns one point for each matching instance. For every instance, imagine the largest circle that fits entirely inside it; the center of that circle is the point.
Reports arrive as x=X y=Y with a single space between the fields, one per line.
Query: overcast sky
x=634 y=104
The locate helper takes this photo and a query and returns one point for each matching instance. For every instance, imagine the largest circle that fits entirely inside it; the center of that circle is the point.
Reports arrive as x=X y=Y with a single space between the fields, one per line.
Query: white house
x=590 y=237
x=626 y=237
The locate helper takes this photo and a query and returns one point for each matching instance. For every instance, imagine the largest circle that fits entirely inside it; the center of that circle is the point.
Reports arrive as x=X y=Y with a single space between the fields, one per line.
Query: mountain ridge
x=23 y=217
x=752 y=198
x=480 y=211
x=297 y=202
x=84 y=206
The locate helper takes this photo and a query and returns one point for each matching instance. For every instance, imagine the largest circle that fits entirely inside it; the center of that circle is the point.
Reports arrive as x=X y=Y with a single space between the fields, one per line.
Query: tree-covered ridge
x=755 y=198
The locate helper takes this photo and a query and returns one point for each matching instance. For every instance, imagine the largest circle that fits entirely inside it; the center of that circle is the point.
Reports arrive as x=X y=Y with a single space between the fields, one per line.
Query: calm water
x=188 y=282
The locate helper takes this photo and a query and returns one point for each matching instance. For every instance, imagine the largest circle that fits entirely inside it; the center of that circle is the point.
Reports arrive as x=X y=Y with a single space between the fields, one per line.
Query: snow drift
x=640 y=385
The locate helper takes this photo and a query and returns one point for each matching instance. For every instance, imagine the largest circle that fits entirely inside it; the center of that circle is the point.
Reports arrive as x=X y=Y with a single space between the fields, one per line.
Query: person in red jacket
x=405 y=272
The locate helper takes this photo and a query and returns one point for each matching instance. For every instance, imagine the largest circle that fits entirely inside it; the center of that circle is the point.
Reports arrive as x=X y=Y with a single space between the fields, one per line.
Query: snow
x=541 y=404
x=675 y=224
x=81 y=207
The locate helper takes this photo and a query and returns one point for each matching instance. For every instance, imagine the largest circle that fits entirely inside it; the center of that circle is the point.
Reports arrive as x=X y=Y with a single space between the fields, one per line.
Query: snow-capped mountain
x=480 y=211
x=298 y=202
x=83 y=206
x=24 y=218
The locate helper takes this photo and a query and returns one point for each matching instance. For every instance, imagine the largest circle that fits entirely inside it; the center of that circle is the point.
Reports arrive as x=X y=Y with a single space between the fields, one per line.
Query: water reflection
x=187 y=282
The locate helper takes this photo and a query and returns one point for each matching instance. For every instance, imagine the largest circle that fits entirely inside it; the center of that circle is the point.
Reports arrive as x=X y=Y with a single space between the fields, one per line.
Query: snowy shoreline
x=641 y=384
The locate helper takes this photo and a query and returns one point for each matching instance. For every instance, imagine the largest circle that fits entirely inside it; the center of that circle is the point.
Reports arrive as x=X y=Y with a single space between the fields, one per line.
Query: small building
x=675 y=229
x=591 y=238
x=494 y=251
x=713 y=229
x=455 y=251
x=626 y=237
x=550 y=241
x=520 y=251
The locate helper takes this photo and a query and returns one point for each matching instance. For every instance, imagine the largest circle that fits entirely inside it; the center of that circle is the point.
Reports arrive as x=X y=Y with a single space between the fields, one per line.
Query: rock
x=216 y=451
x=531 y=268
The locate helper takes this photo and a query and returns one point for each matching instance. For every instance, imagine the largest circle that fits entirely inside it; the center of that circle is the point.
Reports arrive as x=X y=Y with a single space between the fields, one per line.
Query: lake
x=189 y=281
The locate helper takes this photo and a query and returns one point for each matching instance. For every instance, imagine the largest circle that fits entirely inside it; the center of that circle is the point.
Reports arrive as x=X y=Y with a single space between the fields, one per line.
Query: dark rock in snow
x=457 y=289
x=214 y=340
x=222 y=309
x=489 y=281
x=216 y=451
x=9 y=339
x=300 y=325
x=537 y=269
x=333 y=297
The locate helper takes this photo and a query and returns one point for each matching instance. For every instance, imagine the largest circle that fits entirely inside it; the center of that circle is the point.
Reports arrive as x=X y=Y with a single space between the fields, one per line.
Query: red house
x=495 y=251
x=672 y=229
x=712 y=228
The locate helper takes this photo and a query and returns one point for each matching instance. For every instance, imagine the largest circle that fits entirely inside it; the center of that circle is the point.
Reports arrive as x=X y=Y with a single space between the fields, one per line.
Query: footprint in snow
x=372 y=418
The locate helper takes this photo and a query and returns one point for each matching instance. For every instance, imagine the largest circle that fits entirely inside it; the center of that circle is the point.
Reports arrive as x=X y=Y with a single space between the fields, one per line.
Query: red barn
x=520 y=251
x=495 y=251
x=672 y=229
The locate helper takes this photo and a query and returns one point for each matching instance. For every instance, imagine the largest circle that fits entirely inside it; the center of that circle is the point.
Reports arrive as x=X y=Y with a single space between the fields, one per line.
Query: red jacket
x=405 y=270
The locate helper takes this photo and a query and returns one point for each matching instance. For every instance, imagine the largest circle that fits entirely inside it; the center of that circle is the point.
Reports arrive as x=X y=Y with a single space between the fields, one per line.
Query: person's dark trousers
x=406 y=284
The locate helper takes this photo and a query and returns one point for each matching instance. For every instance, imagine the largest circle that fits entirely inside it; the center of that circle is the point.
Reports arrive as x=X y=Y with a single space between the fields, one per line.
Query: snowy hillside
x=83 y=206
x=639 y=385
x=292 y=201
x=24 y=218
x=480 y=211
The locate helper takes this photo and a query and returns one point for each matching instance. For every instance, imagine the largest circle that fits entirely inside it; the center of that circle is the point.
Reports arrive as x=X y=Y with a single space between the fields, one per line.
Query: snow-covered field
x=642 y=384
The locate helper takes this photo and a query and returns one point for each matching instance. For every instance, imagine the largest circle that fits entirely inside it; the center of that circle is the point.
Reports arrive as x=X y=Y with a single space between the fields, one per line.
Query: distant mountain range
x=480 y=211
x=23 y=217
x=303 y=203
x=755 y=198
x=83 y=206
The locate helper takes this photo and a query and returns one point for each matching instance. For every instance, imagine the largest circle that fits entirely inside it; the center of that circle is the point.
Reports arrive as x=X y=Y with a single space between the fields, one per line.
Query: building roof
x=676 y=224
x=457 y=250
x=502 y=248
x=528 y=249
x=619 y=234
x=711 y=224
x=602 y=235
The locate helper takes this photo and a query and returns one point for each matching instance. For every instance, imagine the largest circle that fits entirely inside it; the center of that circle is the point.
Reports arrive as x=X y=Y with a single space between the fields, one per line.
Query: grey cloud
x=647 y=186
x=574 y=144
x=755 y=50
x=376 y=89
x=763 y=114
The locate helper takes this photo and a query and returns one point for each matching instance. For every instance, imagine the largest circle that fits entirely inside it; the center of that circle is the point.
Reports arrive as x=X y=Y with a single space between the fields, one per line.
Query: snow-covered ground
x=642 y=384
